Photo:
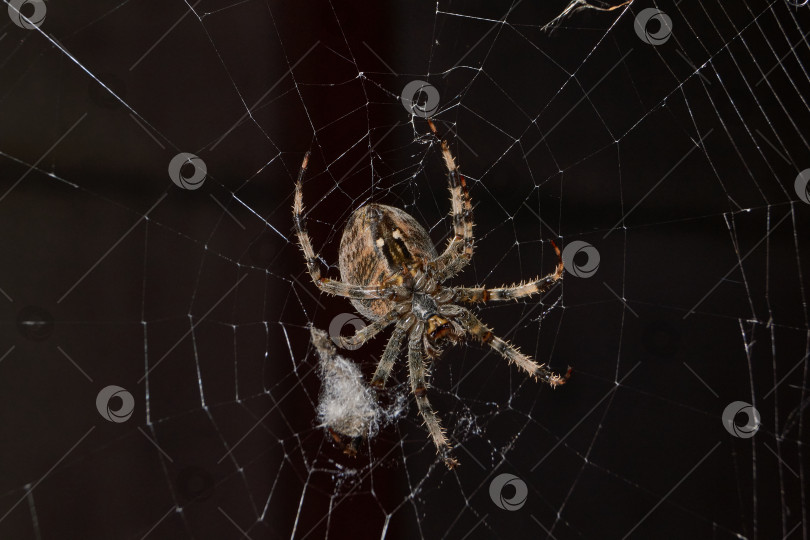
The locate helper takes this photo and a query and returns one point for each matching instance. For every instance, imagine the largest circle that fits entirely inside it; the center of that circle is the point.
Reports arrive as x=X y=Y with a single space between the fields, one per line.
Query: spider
x=393 y=275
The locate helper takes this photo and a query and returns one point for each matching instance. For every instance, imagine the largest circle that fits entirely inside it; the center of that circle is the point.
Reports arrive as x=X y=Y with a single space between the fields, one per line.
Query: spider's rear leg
x=386 y=363
x=419 y=386
x=539 y=371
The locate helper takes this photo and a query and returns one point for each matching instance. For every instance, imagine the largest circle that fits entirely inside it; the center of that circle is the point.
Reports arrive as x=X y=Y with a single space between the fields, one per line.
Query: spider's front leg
x=330 y=286
x=419 y=386
x=501 y=294
x=459 y=250
x=477 y=329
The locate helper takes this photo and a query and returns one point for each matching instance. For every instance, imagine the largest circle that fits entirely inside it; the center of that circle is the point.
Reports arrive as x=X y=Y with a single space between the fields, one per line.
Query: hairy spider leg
x=329 y=286
x=539 y=371
x=389 y=357
x=459 y=249
x=419 y=386
x=501 y=294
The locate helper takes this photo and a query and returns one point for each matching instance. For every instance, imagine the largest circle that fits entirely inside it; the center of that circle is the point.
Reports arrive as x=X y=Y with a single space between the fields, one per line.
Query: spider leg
x=367 y=332
x=386 y=363
x=539 y=371
x=500 y=294
x=459 y=250
x=329 y=286
x=419 y=386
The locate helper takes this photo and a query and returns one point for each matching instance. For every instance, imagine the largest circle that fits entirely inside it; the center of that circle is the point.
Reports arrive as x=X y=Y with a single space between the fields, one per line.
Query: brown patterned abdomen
x=377 y=243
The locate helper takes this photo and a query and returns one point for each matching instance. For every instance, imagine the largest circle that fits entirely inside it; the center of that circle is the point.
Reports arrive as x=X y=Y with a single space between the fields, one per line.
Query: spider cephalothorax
x=393 y=275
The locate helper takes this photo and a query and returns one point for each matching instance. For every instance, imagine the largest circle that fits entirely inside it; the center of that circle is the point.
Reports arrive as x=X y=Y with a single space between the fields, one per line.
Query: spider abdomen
x=379 y=242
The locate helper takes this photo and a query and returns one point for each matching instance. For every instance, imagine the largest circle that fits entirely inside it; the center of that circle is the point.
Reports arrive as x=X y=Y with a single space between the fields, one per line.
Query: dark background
x=224 y=434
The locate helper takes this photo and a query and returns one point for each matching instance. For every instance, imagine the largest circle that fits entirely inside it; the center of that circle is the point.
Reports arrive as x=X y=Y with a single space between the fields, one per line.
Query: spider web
x=672 y=152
